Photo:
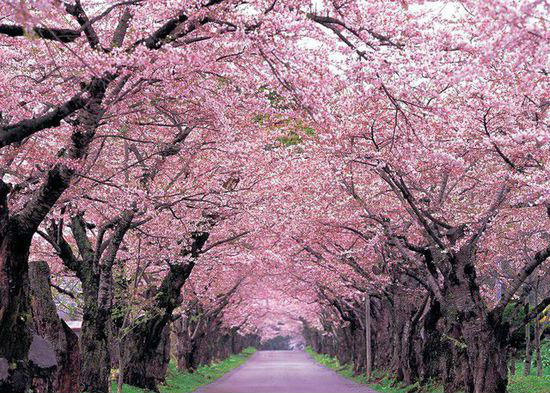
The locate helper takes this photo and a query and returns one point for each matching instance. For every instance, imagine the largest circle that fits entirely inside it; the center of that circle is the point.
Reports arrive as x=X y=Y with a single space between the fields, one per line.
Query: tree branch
x=157 y=39
x=60 y=35
x=35 y=210
x=78 y=12
x=17 y=132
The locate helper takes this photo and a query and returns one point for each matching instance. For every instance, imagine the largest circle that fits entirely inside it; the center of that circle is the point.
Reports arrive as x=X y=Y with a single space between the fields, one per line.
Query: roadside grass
x=183 y=382
x=520 y=364
x=384 y=384
x=531 y=383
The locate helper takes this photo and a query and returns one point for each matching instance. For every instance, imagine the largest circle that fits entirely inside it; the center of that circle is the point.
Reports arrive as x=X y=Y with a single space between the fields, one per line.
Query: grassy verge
x=180 y=382
x=384 y=384
x=530 y=384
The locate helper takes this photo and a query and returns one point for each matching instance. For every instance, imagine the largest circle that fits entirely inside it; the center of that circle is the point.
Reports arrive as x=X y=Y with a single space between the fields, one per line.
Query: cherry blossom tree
x=279 y=158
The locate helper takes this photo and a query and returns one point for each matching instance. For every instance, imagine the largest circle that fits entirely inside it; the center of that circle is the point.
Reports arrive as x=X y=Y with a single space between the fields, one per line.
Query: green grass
x=383 y=383
x=519 y=368
x=182 y=382
x=530 y=384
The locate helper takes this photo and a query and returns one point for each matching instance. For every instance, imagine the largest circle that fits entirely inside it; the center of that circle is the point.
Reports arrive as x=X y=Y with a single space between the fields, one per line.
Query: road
x=283 y=372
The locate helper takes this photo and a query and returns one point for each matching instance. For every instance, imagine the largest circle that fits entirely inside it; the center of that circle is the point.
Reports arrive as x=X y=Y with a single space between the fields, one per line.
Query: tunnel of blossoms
x=180 y=180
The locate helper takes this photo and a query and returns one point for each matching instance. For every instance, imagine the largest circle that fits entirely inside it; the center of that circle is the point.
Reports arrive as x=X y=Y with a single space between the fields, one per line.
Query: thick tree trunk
x=95 y=274
x=479 y=338
x=430 y=351
x=94 y=341
x=408 y=364
x=147 y=366
x=26 y=354
x=152 y=337
x=48 y=325
x=488 y=356
x=21 y=353
x=15 y=311
x=149 y=341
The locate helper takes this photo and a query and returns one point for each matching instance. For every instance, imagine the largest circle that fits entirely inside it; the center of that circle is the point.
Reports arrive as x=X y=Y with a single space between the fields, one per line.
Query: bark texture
x=66 y=377
x=145 y=361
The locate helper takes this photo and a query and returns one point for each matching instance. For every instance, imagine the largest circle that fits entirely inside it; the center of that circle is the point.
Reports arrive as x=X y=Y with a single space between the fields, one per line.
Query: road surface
x=283 y=372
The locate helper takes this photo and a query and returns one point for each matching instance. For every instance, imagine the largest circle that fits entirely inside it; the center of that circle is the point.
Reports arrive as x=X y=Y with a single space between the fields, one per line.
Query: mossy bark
x=66 y=377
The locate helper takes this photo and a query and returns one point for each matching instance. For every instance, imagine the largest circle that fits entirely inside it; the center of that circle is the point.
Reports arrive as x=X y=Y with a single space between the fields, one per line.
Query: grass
x=519 y=368
x=182 y=382
x=384 y=384
x=531 y=383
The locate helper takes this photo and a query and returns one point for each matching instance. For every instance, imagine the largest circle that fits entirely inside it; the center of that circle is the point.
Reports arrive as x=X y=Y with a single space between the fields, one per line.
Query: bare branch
x=60 y=35
x=17 y=132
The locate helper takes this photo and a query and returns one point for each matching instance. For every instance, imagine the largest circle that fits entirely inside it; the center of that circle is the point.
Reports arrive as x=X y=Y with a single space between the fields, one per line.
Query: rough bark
x=15 y=311
x=478 y=339
x=94 y=269
x=16 y=367
x=48 y=325
x=145 y=365
x=95 y=273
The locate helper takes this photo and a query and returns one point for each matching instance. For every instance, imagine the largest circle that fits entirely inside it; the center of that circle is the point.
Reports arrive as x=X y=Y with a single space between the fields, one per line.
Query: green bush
x=545 y=353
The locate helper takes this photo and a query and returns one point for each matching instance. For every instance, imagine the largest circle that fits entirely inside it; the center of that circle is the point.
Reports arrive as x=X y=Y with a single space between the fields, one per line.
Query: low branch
x=17 y=132
x=229 y=239
x=524 y=273
x=60 y=35
x=63 y=291
x=80 y=15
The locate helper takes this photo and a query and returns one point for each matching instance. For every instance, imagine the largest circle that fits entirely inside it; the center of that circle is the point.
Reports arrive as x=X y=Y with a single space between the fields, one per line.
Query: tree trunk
x=184 y=344
x=430 y=343
x=528 y=350
x=15 y=311
x=48 y=325
x=96 y=275
x=146 y=367
x=538 y=334
x=22 y=355
x=368 y=338
x=479 y=338
x=147 y=348
x=149 y=341
x=94 y=341
x=488 y=355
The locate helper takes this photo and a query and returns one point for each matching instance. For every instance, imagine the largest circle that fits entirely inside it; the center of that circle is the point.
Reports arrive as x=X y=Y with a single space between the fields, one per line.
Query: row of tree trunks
x=16 y=232
x=405 y=336
x=404 y=333
x=214 y=343
x=201 y=338
x=145 y=360
x=462 y=344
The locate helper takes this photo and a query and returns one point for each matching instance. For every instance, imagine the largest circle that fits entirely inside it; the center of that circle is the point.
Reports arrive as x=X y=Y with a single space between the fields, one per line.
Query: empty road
x=283 y=372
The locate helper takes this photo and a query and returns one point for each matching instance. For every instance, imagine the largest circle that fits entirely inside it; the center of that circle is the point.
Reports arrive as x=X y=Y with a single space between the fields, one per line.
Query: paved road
x=283 y=372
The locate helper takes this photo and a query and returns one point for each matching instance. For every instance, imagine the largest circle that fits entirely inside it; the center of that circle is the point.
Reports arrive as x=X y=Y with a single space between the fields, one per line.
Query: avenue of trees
x=193 y=178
